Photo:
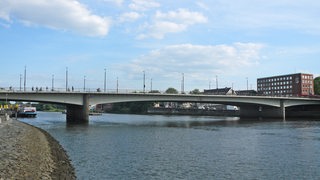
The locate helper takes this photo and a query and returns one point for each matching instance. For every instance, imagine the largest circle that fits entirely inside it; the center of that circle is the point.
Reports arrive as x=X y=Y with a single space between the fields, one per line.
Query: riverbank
x=27 y=152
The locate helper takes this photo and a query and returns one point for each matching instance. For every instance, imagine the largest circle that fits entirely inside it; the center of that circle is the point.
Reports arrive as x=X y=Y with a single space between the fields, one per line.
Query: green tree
x=49 y=107
x=171 y=90
x=317 y=86
x=195 y=91
x=131 y=107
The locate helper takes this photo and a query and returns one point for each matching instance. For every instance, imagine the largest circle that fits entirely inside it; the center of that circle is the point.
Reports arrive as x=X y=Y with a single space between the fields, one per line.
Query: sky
x=199 y=42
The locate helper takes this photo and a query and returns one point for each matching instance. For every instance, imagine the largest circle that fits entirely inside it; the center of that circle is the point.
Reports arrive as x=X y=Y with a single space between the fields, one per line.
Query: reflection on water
x=187 y=147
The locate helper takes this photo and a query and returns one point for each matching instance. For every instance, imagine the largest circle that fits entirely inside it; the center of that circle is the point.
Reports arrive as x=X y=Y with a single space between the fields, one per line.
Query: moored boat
x=27 y=112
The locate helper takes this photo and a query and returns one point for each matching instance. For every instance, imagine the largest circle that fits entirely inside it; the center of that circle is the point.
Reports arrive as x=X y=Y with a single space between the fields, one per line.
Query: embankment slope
x=27 y=152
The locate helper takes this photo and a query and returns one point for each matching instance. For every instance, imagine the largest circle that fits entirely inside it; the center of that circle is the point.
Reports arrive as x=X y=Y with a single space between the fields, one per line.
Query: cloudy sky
x=202 y=40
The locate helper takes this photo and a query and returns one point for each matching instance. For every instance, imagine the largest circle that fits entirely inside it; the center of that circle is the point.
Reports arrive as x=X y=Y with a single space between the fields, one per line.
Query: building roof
x=221 y=91
x=246 y=92
x=285 y=75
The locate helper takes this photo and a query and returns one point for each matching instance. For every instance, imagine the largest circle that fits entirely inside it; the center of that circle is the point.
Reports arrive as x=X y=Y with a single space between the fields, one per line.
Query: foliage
x=49 y=107
x=171 y=90
x=195 y=91
x=131 y=107
x=317 y=85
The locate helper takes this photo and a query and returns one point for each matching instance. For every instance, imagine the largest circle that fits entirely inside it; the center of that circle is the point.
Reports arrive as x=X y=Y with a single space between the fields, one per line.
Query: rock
x=28 y=152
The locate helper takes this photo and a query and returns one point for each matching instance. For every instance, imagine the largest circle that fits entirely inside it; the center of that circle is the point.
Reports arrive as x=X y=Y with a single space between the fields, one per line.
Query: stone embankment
x=27 y=152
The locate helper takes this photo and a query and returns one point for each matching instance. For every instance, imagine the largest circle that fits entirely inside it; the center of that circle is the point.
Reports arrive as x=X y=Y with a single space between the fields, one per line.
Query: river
x=116 y=146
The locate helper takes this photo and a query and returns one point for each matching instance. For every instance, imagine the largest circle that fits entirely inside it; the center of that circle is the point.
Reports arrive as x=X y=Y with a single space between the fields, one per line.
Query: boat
x=27 y=112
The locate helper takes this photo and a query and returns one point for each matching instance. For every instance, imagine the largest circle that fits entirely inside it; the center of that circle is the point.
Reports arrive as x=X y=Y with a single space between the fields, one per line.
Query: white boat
x=27 y=112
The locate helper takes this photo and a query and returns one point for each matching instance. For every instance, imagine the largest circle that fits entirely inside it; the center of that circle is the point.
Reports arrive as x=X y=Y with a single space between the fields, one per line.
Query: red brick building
x=286 y=85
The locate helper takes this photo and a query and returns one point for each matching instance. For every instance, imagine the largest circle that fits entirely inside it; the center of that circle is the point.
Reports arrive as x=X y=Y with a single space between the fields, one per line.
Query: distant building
x=104 y=107
x=221 y=91
x=246 y=93
x=286 y=85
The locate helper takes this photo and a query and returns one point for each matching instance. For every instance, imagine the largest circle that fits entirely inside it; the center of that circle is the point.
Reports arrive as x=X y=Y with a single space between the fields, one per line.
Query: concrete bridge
x=77 y=103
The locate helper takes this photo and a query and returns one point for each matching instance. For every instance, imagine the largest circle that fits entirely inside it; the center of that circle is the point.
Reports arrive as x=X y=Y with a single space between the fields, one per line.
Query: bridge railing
x=76 y=90
x=121 y=91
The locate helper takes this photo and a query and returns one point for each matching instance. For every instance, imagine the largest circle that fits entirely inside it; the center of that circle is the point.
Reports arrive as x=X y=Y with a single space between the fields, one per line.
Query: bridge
x=77 y=103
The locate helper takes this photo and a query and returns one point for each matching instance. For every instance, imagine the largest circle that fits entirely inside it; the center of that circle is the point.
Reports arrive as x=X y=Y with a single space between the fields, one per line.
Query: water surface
x=187 y=147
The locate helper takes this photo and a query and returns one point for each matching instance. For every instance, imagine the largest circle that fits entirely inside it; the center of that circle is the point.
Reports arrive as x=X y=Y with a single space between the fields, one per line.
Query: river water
x=187 y=147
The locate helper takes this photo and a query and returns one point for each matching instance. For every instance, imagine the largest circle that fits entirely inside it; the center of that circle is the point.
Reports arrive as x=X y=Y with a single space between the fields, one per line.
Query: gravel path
x=27 y=152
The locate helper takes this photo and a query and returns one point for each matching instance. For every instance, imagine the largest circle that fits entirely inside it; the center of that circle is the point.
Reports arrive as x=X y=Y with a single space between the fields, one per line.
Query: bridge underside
x=254 y=111
x=306 y=111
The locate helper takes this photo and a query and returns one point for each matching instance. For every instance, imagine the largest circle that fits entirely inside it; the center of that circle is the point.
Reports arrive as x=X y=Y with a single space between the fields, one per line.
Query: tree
x=171 y=90
x=317 y=86
x=195 y=91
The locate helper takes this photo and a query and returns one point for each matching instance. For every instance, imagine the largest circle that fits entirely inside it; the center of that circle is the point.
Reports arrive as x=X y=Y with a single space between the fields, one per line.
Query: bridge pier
x=283 y=109
x=78 y=114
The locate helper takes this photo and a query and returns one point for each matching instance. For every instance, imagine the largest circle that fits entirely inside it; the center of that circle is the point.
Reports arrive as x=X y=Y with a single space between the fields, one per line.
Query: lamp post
x=66 y=78
x=105 y=80
x=20 y=81
x=84 y=83
x=52 y=83
x=247 y=84
x=144 y=81
x=151 y=85
x=117 y=85
x=25 y=78
x=182 y=84
x=216 y=81
x=232 y=89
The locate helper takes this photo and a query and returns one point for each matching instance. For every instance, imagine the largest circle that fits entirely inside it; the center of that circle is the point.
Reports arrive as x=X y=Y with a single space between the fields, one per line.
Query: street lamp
x=182 y=84
x=66 y=78
x=84 y=83
x=52 y=83
x=25 y=78
x=217 y=82
x=117 y=85
x=144 y=81
x=247 y=84
x=20 y=81
x=151 y=85
x=105 y=79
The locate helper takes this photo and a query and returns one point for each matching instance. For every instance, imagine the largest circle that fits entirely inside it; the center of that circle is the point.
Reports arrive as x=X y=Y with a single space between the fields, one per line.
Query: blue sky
x=203 y=39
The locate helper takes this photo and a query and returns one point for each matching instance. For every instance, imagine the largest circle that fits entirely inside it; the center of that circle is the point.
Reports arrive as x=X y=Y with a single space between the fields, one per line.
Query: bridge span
x=77 y=103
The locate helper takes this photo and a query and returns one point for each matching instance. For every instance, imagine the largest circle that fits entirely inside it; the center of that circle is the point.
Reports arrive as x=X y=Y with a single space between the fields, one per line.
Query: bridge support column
x=256 y=111
x=78 y=114
x=283 y=110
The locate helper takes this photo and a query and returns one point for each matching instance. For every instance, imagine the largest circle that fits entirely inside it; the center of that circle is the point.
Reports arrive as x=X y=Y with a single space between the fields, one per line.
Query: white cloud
x=198 y=61
x=129 y=16
x=143 y=5
x=202 y=5
x=280 y=14
x=181 y=16
x=117 y=2
x=68 y=15
x=171 y=22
